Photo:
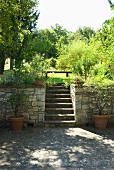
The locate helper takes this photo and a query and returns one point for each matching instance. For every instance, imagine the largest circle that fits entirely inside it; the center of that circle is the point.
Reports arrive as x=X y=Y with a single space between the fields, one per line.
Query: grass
x=54 y=78
x=60 y=75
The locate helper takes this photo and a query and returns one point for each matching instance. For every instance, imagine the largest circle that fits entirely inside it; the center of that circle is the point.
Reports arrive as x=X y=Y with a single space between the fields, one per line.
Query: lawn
x=54 y=78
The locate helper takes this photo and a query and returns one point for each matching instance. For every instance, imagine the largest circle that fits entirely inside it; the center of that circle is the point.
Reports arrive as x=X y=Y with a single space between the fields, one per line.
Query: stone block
x=31 y=121
x=2 y=93
x=30 y=111
x=85 y=99
x=30 y=90
x=26 y=116
x=40 y=98
x=81 y=117
x=78 y=98
x=41 y=117
x=40 y=91
x=35 y=103
x=41 y=108
x=33 y=117
x=78 y=105
x=33 y=98
x=41 y=103
x=35 y=109
x=85 y=106
x=79 y=90
x=1 y=99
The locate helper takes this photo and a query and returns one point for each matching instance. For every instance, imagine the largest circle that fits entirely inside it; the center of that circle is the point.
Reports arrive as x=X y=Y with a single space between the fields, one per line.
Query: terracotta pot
x=16 y=123
x=100 y=121
x=39 y=82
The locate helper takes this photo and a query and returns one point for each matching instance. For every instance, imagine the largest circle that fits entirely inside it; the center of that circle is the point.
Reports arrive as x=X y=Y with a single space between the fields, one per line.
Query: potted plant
x=39 y=80
x=79 y=81
x=102 y=100
x=18 y=99
x=38 y=68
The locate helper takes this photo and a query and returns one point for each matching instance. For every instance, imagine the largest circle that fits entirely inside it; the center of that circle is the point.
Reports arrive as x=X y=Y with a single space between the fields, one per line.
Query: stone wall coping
x=5 y=87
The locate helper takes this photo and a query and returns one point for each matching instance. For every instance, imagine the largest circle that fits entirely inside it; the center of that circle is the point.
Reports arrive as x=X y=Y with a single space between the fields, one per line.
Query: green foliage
x=102 y=95
x=61 y=63
x=78 y=57
x=39 y=66
x=18 y=100
x=111 y=4
x=99 y=80
x=17 y=78
x=49 y=41
x=18 y=97
x=91 y=55
x=103 y=44
x=17 y=18
x=60 y=32
x=12 y=78
x=54 y=80
x=84 y=33
x=44 y=43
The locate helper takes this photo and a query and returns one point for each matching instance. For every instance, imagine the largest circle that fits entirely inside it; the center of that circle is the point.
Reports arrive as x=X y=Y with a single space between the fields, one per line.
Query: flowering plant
x=79 y=81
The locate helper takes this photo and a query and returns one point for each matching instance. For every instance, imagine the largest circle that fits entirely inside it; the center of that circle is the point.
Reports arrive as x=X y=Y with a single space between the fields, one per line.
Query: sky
x=71 y=14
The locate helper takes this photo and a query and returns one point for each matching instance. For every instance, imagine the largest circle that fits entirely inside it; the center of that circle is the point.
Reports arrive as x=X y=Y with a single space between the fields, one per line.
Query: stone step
x=56 y=87
x=54 y=95
x=66 y=109
x=58 y=91
x=60 y=123
x=59 y=99
x=59 y=110
x=58 y=105
x=59 y=117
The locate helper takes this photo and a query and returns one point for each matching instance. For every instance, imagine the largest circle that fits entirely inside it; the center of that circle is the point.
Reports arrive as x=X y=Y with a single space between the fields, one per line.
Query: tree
x=111 y=4
x=44 y=43
x=84 y=33
x=17 y=18
x=48 y=42
x=60 y=31
x=104 y=45
x=62 y=36
x=78 y=57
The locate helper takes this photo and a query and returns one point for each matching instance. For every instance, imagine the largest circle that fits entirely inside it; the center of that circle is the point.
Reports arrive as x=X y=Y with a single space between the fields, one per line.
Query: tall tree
x=111 y=4
x=44 y=43
x=103 y=42
x=49 y=41
x=84 y=33
x=79 y=57
x=17 y=18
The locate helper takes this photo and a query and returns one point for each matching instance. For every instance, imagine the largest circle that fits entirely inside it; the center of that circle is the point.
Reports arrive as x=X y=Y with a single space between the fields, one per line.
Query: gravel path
x=57 y=148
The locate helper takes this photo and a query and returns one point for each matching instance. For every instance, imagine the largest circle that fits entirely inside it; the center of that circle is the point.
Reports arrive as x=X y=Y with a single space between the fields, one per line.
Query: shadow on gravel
x=57 y=148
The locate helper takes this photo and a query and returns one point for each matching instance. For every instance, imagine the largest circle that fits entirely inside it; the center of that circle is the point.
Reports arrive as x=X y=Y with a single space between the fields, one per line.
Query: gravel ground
x=57 y=148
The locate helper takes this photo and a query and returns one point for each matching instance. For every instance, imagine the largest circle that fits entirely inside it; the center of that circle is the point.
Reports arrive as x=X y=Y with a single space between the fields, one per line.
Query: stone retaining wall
x=84 y=105
x=35 y=110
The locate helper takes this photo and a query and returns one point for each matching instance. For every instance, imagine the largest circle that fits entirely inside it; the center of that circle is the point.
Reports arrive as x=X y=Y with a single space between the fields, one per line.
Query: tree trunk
x=11 y=63
x=2 y=63
x=18 y=63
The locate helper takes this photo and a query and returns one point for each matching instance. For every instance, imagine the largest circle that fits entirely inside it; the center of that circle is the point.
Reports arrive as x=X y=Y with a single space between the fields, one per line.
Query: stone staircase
x=58 y=107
